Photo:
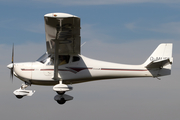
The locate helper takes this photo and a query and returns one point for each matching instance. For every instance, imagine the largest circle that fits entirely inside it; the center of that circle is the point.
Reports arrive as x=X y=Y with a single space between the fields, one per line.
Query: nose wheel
x=21 y=92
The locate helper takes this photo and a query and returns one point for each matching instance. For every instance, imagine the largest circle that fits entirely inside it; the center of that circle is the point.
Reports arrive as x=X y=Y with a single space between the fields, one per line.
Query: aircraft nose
x=10 y=66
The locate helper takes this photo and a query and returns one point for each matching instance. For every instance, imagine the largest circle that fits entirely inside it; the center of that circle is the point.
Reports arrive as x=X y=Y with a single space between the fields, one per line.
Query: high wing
x=62 y=36
x=65 y=30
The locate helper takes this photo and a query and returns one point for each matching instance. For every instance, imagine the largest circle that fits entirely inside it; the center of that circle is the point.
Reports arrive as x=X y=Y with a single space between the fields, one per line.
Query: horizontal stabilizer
x=159 y=64
x=160 y=61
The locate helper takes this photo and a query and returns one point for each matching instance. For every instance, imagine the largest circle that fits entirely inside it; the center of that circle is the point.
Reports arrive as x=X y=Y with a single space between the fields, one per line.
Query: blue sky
x=121 y=22
x=119 y=31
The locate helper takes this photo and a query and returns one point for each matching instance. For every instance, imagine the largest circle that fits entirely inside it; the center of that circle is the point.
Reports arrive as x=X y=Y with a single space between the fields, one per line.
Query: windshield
x=43 y=58
x=49 y=59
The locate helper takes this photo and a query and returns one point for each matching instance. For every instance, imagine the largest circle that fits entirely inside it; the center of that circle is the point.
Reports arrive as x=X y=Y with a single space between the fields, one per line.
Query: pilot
x=62 y=60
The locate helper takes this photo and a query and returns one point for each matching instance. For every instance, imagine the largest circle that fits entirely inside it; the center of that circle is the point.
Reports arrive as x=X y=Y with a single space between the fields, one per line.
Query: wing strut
x=56 y=55
x=59 y=88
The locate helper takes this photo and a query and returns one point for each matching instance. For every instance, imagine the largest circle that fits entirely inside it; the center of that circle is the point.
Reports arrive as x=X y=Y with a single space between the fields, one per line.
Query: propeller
x=12 y=62
x=11 y=66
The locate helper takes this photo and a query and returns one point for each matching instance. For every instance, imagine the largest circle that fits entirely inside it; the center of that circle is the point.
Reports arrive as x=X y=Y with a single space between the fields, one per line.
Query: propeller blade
x=11 y=74
x=12 y=61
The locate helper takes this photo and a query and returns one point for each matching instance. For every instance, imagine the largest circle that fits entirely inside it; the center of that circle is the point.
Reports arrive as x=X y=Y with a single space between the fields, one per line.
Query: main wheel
x=61 y=101
x=19 y=96
x=60 y=92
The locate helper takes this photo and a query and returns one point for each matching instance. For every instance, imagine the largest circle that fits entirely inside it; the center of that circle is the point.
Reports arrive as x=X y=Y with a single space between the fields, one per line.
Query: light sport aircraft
x=63 y=64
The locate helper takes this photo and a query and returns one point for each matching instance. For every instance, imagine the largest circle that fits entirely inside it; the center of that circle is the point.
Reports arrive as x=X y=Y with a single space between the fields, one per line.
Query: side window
x=63 y=59
x=50 y=61
x=75 y=58
x=43 y=58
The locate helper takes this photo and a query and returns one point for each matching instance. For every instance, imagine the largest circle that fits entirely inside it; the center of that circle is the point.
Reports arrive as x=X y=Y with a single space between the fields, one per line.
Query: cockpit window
x=63 y=59
x=49 y=59
x=43 y=58
x=75 y=58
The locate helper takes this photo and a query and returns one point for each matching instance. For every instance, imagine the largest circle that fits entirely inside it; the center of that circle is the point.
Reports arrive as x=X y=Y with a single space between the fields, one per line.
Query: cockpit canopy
x=63 y=59
x=43 y=58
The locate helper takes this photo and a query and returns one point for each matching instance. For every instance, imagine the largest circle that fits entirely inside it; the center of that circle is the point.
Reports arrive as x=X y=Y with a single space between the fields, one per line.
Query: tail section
x=160 y=61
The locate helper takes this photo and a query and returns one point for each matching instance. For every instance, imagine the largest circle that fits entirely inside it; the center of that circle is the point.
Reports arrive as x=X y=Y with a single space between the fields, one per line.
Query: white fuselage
x=76 y=71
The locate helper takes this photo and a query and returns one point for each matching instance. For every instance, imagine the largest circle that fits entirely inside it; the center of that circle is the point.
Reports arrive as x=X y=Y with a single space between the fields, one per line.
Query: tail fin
x=160 y=61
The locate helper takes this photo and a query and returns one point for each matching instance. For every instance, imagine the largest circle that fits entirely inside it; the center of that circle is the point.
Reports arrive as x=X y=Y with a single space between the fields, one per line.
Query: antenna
x=83 y=44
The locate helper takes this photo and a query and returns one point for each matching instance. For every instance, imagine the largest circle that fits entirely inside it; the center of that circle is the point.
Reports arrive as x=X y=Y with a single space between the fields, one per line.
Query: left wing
x=62 y=36
x=65 y=28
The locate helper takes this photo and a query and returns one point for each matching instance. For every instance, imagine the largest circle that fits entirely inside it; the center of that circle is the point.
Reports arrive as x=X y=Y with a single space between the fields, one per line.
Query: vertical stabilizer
x=160 y=61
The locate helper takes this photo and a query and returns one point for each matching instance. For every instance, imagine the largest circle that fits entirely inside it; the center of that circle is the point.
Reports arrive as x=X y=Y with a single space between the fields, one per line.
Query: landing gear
x=19 y=96
x=60 y=93
x=25 y=85
x=61 y=99
x=60 y=88
x=21 y=92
